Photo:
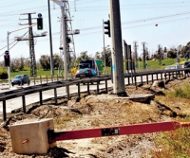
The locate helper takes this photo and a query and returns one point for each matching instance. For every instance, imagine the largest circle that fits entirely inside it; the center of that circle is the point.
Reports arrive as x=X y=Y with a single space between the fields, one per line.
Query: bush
x=3 y=75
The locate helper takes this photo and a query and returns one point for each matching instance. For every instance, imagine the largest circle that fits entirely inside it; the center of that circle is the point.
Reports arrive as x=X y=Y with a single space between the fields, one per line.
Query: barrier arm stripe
x=114 y=131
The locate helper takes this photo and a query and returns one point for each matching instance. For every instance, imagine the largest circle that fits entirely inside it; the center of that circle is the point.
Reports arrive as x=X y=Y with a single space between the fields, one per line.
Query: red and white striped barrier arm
x=114 y=131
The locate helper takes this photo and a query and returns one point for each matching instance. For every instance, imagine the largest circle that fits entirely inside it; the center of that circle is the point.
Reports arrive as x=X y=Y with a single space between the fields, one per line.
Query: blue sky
x=138 y=24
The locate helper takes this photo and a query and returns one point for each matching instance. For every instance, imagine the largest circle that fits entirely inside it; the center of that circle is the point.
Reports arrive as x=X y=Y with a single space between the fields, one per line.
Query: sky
x=156 y=22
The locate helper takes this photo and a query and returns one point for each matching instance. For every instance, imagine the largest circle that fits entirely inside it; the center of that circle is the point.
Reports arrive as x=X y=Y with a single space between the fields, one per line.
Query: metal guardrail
x=132 y=80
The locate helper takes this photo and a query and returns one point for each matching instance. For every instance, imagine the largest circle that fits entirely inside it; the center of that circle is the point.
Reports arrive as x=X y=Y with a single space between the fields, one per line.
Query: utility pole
x=64 y=38
x=31 y=45
x=117 y=55
x=30 y=38
x=125 y=55
x=8 y=68
x=50 y=40
x=136 y=54
x=67 y=42
x=33 y=71
x=144 y=55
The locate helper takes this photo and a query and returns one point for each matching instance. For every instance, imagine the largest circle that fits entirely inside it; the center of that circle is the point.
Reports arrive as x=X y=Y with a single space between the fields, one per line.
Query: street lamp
x=8 y=50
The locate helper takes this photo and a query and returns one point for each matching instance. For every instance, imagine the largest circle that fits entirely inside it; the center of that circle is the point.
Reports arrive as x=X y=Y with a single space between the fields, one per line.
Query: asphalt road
x=16 y=103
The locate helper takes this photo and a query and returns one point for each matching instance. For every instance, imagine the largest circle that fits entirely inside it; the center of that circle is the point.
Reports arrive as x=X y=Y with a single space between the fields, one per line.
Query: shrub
x=3 y=75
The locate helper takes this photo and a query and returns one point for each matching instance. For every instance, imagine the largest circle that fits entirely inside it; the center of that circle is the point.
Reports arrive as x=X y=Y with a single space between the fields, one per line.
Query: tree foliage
x=18 y=64
x=45 y=62
x=83 y=56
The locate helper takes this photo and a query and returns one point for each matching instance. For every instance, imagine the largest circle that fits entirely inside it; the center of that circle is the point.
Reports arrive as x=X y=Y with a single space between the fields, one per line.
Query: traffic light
x=7 y=59
x=39 y=22
x=107 y=28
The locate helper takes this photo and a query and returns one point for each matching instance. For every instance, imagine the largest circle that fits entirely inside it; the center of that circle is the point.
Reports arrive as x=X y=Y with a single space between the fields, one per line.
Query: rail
x=133 y=78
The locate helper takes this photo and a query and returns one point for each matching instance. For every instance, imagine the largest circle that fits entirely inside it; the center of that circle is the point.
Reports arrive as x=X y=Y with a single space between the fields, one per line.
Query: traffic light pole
x=8 y=68
x=104 y=45
x=117 y=55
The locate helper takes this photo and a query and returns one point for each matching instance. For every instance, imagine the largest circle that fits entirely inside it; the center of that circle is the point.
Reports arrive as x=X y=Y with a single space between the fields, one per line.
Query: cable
x=14 y=43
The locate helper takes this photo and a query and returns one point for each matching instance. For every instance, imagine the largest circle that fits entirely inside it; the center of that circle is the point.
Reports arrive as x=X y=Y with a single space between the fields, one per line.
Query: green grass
x=181 y=91
x=174 y=144
x=155 y=64
x=151 y=65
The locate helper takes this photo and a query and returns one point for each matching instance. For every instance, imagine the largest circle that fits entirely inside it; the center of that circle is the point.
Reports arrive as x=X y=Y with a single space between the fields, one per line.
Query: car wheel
x=12 y=84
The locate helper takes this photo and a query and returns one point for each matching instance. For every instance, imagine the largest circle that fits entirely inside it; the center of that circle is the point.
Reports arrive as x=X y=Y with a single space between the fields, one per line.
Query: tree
x=185 y=51
x=83 y=56
x=171 y=54
x=58 y=62
x=106 y=56
x=18 y=64
x=159 y=54
x=45 y=62
x=98 y=55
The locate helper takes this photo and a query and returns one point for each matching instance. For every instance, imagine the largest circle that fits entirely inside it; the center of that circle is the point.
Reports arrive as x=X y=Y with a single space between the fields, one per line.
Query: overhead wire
x=13 y=43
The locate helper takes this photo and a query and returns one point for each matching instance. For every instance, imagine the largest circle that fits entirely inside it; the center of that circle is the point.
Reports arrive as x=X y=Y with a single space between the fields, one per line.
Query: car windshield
x=17 y=77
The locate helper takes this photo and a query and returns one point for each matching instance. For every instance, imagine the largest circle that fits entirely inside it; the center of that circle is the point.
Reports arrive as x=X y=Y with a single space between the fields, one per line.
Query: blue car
x=20 y=80
x=86 y=72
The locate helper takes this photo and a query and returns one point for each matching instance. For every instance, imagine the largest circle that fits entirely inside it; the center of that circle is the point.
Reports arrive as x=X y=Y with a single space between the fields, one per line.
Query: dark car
x=20 y=80
x=187 y=65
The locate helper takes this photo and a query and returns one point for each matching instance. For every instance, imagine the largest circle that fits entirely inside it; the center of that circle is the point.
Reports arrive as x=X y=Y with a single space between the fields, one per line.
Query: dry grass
x=175 y=144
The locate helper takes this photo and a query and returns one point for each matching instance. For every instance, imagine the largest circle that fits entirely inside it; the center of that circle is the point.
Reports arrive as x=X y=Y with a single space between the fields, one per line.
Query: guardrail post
x=40 y=79
x=55 y=95
x=68 y=93
x=152 y=78
x=132 y=78
x=24 y=103
x=106 y=85
x=141 y=79
x=128 y=80
x=46 y=79
x=147 y=79
x=98 y=88
x=88 y=88
x=165 y=75
x=173 y=74
x=78 y=90
x=41 y=98
x=34 y=80
x=4 y=111
x=169 y=76
x=161 y=76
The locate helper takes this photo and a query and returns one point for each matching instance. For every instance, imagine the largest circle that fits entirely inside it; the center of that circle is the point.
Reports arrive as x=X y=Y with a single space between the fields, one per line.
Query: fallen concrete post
x=30 y=136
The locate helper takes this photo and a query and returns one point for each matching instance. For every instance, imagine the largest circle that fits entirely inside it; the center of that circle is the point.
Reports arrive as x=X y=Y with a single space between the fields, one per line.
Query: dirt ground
x=102 y=110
